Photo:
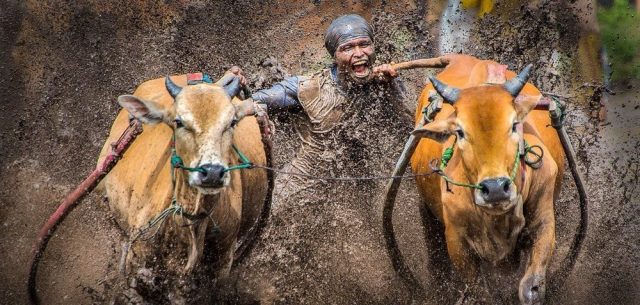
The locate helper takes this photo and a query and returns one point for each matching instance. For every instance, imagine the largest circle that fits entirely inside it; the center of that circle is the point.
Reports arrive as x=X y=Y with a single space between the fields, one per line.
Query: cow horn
x=173 y=89
x=515 y=85
x=448 y=93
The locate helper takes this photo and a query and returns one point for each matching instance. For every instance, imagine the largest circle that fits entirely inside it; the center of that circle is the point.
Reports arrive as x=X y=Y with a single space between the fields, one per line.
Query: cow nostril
x=495 y=189
x=212 y=175
x=506 y=186
x=484 y=190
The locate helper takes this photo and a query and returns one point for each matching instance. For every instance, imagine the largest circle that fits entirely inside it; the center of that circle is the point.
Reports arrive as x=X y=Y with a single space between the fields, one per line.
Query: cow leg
x=226 y=260
x=532 y=286
x=460 y=254
x=466 y=263
x=435 y=242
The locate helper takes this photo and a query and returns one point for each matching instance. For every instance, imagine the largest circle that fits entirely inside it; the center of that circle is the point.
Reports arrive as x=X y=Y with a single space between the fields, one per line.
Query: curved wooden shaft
x=437 y=62
x=391 y=190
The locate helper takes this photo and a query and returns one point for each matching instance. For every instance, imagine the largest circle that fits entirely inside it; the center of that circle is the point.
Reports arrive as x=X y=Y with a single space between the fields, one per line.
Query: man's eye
x=178 y=123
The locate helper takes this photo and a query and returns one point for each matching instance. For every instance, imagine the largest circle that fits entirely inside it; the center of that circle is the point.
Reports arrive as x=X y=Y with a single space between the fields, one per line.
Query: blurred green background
x=620 y=30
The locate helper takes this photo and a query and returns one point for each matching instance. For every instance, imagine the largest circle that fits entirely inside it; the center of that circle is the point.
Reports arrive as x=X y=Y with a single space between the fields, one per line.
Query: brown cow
x=484 y=121
x=218 y=205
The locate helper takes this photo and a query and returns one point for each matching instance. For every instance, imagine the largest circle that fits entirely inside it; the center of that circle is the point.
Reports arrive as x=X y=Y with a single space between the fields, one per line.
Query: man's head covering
x=345 y=28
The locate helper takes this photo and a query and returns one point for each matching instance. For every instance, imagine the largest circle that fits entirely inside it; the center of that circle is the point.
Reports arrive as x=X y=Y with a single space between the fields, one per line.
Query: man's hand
x=233 y=81
x=250 y=107
x=385 y=72
x=235 y=70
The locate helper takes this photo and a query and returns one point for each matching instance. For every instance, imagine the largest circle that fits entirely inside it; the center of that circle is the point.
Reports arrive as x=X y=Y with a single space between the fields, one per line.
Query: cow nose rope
x=534 y=163
x=176 y=161
x=245 y=161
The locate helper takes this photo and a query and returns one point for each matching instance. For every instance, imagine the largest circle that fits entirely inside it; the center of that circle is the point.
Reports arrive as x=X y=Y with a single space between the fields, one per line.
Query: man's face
x=355 y=58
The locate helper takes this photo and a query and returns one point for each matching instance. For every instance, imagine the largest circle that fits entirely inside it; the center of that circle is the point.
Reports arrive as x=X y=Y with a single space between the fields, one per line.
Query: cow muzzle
x=213 y=176
x=495 y=192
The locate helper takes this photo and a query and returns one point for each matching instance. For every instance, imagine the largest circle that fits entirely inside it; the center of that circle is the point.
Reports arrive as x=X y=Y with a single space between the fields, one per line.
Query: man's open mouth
x=361 y=68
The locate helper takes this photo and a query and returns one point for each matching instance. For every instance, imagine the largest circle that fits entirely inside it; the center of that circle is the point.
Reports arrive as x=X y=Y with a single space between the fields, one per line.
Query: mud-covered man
x=324 y=100
x=323 y=243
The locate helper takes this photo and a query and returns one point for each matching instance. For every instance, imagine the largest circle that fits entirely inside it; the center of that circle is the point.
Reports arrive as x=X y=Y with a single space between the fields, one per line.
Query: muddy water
x=63 y=64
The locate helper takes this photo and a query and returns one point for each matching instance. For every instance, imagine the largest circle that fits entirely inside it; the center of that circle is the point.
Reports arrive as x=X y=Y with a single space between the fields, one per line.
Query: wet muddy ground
x=63 y=65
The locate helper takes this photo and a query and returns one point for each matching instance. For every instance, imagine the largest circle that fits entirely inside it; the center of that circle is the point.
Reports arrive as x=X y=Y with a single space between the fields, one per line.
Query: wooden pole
x=438 y=62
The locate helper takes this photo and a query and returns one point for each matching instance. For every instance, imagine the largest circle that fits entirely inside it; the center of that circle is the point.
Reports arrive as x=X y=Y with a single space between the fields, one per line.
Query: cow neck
x=189 y=198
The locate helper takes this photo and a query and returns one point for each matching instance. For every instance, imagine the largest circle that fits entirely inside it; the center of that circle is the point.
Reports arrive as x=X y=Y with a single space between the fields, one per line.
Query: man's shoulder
x=309 y=88
x=319 y=76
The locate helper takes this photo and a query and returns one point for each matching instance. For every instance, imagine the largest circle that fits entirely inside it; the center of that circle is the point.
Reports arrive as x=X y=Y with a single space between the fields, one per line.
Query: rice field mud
x=63 y=64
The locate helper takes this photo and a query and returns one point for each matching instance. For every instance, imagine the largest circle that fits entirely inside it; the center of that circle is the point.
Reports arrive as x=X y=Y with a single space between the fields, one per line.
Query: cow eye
x=514 y=128
x=460 y=133
x=178 y=123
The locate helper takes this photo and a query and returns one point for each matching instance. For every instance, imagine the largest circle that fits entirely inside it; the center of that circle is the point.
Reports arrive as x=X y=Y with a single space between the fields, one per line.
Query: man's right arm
x=281 y=97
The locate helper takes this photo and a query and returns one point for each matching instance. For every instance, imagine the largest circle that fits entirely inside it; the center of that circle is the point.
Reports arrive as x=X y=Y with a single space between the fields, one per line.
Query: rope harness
x=520 y=154
x=176 y=209
x=177 y=163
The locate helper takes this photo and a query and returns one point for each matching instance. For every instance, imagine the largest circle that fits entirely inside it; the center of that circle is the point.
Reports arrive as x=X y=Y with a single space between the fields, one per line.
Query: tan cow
x=482 y=121
x=213 y=206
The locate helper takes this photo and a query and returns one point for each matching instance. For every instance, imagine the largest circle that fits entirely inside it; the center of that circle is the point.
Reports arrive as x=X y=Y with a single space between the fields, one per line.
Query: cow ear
x=524 y=103
x=438 y=131
x=148 y=112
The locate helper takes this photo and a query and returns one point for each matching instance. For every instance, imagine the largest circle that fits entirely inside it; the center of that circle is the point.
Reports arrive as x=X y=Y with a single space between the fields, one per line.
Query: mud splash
x=64 y=65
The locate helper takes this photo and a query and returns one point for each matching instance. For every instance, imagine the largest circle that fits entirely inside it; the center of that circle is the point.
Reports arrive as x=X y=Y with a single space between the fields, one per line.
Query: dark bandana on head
x=345 y=28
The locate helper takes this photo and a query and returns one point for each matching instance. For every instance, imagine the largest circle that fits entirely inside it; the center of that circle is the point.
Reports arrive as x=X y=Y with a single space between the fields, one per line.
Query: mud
x=64 y=64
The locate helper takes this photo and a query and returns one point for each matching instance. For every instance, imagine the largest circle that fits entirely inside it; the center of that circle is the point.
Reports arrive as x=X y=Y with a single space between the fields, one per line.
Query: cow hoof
x=532 y=290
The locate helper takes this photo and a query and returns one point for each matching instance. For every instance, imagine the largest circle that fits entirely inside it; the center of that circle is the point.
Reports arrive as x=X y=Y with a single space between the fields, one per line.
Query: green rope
x=536 y=162
x=557 y=116
x=516 y=164
x=174 y=209
x=444 y=161
x=176 y=161
x=448 y=154
x=245 y=161
x=446 y=178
